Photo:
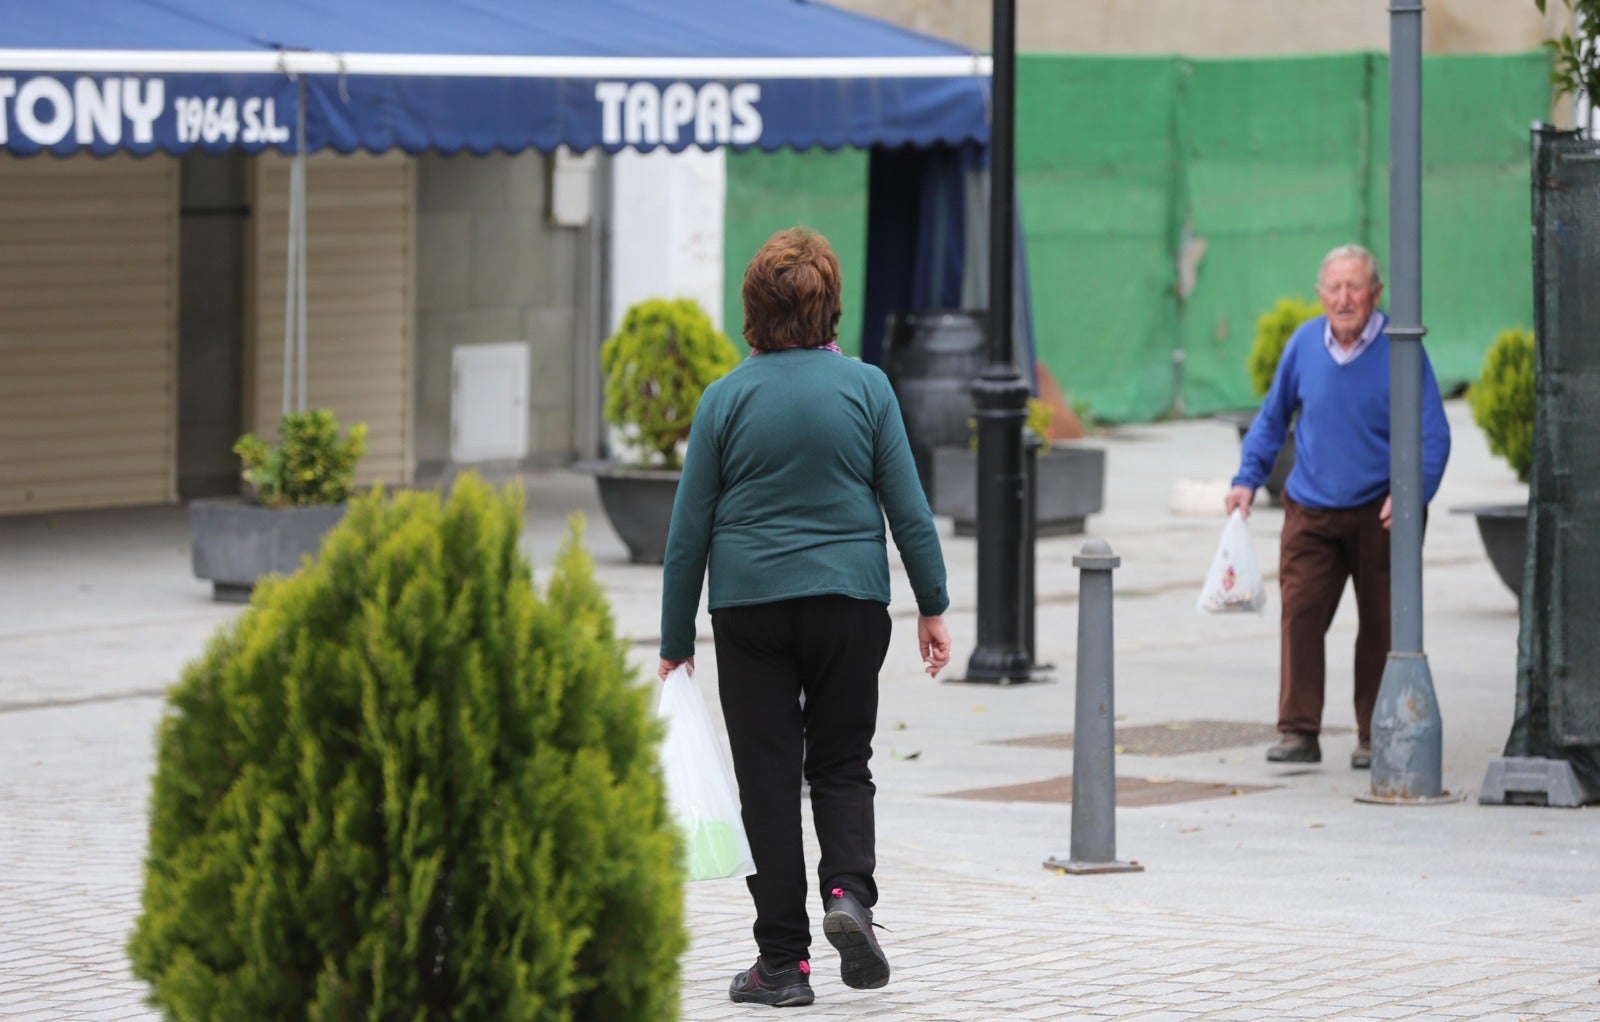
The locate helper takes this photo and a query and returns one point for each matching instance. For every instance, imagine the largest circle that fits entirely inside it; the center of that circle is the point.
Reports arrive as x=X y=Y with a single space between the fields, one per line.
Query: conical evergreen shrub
x=1273 y=330
x=1504 y=398
x=404 y=785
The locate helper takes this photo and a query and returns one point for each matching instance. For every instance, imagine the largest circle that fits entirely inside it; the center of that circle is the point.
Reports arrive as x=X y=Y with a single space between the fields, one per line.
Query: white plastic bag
x=700 y=789
x=1234 y=583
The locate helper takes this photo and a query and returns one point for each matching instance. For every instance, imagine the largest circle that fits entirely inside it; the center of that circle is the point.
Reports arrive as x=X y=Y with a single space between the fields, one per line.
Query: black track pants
x=830 y=649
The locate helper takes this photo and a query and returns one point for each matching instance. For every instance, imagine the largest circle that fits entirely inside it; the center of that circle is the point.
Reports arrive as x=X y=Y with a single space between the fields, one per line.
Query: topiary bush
x=1502 y=399
x=1273 y=330
x=404 y=785
x=657 y=364
x=308 y=465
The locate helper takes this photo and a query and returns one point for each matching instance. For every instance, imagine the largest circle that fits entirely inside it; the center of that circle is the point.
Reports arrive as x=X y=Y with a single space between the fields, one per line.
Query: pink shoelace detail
x=805 y=968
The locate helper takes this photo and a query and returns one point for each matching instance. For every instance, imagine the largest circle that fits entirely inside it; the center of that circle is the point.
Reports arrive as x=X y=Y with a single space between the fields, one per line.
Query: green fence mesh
x=1168 y=202
x=1558 y=648
x=1097 y=181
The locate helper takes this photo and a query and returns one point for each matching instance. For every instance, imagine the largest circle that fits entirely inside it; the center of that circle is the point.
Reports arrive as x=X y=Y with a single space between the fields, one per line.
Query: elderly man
x=1335 y=374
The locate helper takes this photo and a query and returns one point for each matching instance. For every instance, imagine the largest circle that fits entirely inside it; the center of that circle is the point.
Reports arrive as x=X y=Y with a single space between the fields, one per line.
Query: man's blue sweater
x=1341 y=439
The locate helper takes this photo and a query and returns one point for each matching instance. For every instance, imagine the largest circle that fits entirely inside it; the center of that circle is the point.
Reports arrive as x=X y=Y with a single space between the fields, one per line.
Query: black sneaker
x=1295 y=747
x=848 y=927
x=780 y=988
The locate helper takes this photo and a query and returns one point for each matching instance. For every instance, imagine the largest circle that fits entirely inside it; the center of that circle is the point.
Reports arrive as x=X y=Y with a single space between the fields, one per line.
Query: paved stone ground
x=1292 y=902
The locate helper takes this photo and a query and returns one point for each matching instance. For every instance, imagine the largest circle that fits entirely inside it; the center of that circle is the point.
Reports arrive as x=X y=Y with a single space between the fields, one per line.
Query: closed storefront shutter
x=88 y=332
x=360 y=230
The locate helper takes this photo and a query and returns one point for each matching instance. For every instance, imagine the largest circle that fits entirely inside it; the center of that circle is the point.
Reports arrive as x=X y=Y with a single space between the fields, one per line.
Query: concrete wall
x=666 y=233
x=1218 y=28
x=491 y=267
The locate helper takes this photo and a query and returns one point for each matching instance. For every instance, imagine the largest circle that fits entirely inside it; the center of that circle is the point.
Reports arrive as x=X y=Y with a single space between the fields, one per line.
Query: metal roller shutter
x=360 y=231
x=88 y=332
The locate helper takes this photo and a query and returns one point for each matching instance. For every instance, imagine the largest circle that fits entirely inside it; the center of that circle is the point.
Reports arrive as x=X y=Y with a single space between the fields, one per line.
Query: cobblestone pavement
x=1287 y=901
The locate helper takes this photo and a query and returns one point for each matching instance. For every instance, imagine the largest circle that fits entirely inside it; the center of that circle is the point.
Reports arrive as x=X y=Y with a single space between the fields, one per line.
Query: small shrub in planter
x=1273 y=330
x=1502 y=399
x=1068 y=479
x=308 y=465
x=298 y=488
x=1503 y=403
x=1037 y=420
x=657 y=364
x=405 y=785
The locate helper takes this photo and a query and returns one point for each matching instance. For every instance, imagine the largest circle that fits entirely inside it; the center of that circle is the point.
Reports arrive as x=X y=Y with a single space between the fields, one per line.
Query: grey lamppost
x=1406 y=730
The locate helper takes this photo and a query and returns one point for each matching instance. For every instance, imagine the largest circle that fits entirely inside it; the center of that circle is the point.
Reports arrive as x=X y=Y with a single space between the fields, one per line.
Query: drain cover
x=1175 y=739
x=1131 y=791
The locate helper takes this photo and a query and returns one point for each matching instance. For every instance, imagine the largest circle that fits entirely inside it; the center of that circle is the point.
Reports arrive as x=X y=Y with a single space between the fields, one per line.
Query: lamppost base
x=1443 y=798
x=1076 y=868
x=1407 y=736
x=999 y=667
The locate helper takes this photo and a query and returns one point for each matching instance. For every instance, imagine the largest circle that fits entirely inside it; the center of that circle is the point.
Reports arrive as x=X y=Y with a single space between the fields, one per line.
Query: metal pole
x=1000 y=395
x=1094 y=773
x=299 y=198
x=1406 y=729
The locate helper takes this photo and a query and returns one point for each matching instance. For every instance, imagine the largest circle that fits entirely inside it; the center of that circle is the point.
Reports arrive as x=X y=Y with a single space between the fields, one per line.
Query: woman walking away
x=795 y=459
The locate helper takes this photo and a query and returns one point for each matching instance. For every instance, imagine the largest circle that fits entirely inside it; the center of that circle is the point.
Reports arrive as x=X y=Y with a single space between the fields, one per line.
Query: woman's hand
x=933 y=642
x=666 y=666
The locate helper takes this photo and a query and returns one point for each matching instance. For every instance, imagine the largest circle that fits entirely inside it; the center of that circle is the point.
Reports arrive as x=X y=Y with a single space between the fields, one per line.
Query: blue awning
x=174 y=75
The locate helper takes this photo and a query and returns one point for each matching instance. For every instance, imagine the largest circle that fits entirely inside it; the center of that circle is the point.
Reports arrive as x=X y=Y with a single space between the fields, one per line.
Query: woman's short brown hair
x=791 y=292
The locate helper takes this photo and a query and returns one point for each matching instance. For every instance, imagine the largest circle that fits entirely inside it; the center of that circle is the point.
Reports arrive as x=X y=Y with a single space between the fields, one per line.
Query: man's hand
x=1386 y=513
x=1239 y=499
x=666 y=666
x=933 y=642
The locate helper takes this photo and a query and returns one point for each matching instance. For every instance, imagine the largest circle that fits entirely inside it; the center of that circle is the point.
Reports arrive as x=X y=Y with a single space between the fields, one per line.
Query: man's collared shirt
x=1369 y=333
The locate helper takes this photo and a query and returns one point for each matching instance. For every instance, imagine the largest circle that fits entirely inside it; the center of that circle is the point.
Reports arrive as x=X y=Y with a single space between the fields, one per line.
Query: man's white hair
x=1351 y=252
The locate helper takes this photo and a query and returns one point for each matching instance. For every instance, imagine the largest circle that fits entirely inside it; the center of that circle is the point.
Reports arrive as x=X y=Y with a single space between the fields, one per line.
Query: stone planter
x=1071 y=483
x=232 y=544
x=1280 y=467
x=639 y=504
x=1504 y=531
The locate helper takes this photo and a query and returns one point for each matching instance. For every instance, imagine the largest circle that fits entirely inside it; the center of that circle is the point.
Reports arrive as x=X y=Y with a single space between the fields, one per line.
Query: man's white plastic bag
x=1234 y=583
x=700 y=789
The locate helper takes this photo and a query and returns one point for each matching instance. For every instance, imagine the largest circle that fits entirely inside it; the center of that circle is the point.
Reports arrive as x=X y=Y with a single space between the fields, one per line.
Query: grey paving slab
x=1292 y=902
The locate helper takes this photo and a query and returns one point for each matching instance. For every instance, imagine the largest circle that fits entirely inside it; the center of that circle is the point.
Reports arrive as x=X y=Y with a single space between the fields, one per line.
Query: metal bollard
x=1094 y=778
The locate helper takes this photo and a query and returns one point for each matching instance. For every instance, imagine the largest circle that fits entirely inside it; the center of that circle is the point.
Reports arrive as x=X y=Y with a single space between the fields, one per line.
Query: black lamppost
x=1000 y=395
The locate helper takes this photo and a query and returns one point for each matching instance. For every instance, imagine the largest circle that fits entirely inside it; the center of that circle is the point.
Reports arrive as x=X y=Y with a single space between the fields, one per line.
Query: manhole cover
x=1175 y=739
x=1132 y=792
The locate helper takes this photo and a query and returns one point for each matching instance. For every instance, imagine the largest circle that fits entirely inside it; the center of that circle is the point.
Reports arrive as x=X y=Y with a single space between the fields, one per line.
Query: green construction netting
x=1168 y=202
x=1097 y=162
x=1558 y=647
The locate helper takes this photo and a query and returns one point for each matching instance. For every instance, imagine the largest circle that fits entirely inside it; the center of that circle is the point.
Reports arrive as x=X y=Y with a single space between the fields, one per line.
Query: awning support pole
x=300 y=240
x=294 y=284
